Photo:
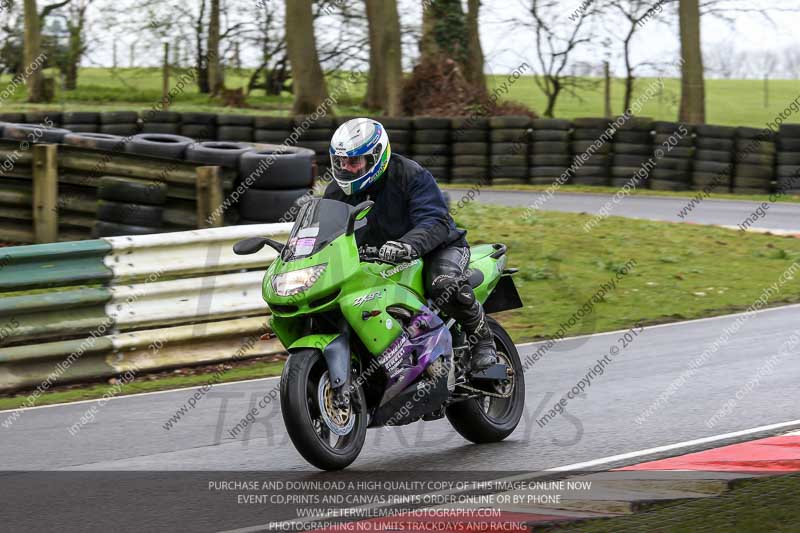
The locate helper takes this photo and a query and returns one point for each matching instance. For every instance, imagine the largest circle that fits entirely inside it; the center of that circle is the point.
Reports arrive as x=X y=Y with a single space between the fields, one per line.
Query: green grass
x=756 y=506
x=94 y=391
x=587 y=189
x=137 y=89
x=729 y=102
x=683 y=271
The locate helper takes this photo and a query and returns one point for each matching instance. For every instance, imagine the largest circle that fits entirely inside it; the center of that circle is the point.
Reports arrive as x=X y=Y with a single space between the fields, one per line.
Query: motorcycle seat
x=474 y=277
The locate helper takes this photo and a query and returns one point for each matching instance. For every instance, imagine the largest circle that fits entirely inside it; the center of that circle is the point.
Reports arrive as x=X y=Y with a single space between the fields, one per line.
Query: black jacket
x=409 y=207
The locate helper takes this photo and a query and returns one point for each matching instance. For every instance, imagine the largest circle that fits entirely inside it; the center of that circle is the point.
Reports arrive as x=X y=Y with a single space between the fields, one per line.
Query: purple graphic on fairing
x=426 y=339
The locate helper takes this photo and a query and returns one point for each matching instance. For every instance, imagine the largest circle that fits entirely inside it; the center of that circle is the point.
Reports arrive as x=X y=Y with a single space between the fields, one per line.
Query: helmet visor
x=348 y=169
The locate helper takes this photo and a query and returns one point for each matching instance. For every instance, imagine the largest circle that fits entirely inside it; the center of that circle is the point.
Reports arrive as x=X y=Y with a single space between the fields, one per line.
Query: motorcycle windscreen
x=318 y=223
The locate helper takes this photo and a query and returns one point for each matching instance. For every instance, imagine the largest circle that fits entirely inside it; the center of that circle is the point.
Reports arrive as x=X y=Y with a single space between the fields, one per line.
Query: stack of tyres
x=712 y=165
x=161 y=122
x=199 y=126
x=755 y=161
x=235 y=128
x=469 y=142
x=789 y=159
x=509 y=137
x=632 y=153
x=34 y=133
x=550 y=150
x=272 y=130
x=44 y=117
x=12 y=118
x=122 y=123
x=316 y=135
x=591 y=151
x=129 y=206
x=672 y=155
x=431 y=145
x=399 y=130
x=162 y=145
x=81 y=121
x=273 y=194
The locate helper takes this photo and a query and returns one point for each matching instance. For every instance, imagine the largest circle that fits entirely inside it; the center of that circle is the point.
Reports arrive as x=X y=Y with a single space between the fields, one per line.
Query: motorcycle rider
x=409 y=220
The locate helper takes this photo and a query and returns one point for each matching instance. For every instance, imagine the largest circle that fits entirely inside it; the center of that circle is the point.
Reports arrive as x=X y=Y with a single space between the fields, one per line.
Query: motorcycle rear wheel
x=328 y=438
x=488 y=419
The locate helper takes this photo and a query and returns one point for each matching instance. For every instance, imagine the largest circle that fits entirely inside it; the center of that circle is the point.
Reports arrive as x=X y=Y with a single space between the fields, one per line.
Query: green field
x=682 y=272
x=729 y=102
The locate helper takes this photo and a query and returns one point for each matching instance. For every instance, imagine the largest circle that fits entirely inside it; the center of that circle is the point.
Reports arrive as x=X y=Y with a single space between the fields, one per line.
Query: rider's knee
x=451 y=289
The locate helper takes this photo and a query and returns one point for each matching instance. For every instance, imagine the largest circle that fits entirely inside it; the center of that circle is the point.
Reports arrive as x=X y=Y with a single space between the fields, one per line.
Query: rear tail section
x=496 y=291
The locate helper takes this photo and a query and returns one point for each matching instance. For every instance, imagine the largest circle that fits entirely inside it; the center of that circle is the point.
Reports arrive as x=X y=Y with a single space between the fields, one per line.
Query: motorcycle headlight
x=296 y=281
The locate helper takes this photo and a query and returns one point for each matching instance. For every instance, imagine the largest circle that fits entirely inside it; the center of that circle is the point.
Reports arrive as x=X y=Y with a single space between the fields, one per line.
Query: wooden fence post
x=209 y=198
x=45 y=193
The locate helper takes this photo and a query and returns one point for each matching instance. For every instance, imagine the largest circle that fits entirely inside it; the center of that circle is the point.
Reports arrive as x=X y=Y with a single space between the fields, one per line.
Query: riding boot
x=480 y=336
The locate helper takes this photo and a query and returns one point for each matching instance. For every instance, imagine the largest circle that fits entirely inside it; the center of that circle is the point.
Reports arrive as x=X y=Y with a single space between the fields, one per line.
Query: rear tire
x=481 y=423
x=300 y=383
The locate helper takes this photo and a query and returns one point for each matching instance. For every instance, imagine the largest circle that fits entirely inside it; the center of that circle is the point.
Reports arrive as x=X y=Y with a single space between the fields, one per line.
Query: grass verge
x=151 y=382
x=681 y=272
x=756 y=506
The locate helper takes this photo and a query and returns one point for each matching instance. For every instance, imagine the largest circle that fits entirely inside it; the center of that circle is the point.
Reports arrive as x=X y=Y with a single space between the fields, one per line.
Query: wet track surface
x=779 y=216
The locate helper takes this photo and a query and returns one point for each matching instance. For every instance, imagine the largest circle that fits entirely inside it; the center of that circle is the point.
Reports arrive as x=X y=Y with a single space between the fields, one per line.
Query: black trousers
x=447 y=285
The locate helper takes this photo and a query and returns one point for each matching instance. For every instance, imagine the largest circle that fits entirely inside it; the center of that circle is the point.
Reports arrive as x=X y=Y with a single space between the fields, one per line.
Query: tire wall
x=490 y=150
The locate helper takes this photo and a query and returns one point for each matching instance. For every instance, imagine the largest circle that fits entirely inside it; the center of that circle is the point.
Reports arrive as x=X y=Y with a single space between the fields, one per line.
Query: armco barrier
x=93 y=309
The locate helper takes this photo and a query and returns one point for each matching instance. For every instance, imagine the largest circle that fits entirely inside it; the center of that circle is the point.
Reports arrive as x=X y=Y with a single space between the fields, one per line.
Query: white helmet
x=359 y=154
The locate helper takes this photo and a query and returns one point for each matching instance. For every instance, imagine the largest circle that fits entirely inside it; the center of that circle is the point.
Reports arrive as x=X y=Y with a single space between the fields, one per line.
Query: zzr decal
x=369 y=297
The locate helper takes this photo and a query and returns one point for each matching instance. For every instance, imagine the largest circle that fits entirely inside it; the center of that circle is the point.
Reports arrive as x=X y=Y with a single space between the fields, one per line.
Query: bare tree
x=269 y=37
x=214 y=71
x=310 y=89
x=637 y=14
x=375 y=97
x=385 y=56
x=76 y=47
x=474 y=62
x=556 y=37
x=693 y=92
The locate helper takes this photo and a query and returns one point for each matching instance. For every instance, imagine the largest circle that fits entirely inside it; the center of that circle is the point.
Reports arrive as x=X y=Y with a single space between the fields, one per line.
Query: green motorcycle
x=368 y=349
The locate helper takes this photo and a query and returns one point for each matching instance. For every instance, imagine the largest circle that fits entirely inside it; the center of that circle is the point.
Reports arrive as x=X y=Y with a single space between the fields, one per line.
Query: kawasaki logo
x=388 y=273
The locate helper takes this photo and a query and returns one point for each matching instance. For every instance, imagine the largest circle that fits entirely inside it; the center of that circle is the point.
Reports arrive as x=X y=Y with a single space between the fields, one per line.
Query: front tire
x=328 y=438
x=488 y=419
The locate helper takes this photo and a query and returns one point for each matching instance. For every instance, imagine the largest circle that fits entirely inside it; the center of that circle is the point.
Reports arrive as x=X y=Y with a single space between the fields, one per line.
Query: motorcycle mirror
x=254 y=244
x=249 y=246
x=358 y=213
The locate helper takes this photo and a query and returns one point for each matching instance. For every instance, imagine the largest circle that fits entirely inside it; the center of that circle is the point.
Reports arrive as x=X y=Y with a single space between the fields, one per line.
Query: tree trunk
x=428 y=47
x=214 y=72
x=474 y=64
x=310 y=90
x=376 y=94
x=607 y=89
x=693 y=98
x=74 y=51
x=552 y=98
x=33 y=45
x=393 y=55
x=201 y=59
x=628 y=71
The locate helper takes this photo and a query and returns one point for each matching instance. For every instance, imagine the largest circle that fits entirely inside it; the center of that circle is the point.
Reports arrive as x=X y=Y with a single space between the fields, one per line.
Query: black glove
x=396 y=252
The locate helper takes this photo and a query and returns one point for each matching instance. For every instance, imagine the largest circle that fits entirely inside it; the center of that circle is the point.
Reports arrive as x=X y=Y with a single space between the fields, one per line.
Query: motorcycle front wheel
x=327 y=437
x=492 y=418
